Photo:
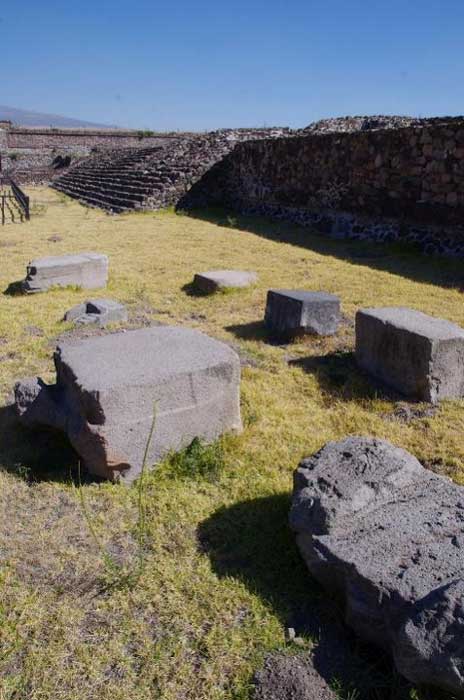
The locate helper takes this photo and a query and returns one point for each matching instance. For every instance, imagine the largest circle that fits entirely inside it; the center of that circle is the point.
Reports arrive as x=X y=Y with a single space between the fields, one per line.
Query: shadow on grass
x=251 y=542
x=37 y=455
x=339 y=376
x=401 y=259
x=256 y=330
x=192 y=291
x=14 y=289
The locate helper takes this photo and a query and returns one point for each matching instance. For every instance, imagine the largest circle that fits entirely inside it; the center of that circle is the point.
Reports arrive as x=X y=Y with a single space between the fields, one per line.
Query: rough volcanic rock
x=107 y=388
x=388 y=536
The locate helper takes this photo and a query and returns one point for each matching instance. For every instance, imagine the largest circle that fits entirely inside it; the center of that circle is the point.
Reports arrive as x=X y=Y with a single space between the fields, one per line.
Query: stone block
x=107 y=386
x=86 y=270
x=387 y=537
x=97 y=311
x=215 y=280
x=290 y=313
x=418 y=355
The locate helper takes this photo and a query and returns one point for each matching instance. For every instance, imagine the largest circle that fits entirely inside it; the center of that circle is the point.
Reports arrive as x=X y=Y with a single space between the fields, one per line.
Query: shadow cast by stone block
x=403 y=259
x=256 y=330
x=339 y=376
x=14 y=289
x=37 y=455
x=192 y=290
x=251 y=542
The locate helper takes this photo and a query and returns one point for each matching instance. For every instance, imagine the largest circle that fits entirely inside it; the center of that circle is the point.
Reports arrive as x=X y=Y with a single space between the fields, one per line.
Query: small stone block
x=97 y=311
x=417 y=355
x=86 y=270
x=290 y=313
x=215 y=280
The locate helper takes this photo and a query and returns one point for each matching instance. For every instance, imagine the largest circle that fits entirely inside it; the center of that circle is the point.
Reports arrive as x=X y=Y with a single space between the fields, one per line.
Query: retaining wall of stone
x=395 y=184
x=20 y=137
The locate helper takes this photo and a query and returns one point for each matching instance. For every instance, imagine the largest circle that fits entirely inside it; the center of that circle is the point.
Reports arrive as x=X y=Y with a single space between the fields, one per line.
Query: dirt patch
x=405 y=412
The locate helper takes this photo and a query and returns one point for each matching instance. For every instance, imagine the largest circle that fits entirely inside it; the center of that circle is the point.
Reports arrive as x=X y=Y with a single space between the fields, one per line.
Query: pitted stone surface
x=107 y=386
x=97 y=311
x=388 y=536
x=214 y=280
x=418 y=355
x=290 y=313
x=86 y=270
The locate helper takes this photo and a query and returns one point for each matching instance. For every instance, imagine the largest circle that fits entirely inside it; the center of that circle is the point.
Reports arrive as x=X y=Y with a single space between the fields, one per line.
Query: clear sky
x=203 y=64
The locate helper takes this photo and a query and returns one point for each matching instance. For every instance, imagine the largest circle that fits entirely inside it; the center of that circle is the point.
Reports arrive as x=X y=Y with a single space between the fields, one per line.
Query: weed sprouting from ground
x=198 y=460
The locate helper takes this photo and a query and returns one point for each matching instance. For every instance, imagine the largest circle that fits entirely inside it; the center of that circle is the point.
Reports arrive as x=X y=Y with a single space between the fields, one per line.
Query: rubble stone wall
x=21 y=137
x=392 y=184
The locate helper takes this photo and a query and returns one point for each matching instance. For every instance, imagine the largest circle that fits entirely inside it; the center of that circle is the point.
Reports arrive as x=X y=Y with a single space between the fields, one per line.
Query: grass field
x=222 y=578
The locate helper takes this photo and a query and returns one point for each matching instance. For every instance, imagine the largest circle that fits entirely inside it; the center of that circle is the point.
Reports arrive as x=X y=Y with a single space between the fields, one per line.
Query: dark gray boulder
x=386 y=535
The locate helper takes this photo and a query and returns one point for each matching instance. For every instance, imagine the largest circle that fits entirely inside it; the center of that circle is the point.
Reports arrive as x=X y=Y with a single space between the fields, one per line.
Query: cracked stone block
x=215 y=280
x=86 y=270
x=97 y=311
x=387 y=537
x=290 y=313
x=417 y=355
x=107 y=387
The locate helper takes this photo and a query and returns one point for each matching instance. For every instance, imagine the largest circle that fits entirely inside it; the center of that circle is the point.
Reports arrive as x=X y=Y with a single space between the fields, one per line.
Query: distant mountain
x=23 y=117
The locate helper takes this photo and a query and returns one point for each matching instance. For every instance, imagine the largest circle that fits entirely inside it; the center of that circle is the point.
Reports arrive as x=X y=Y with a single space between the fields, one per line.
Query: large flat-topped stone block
x=387 y=536
x=290 y=313
x=215 y=280
x=106 y=388
x=86 y=270
x=418 y=355
x=100 y=312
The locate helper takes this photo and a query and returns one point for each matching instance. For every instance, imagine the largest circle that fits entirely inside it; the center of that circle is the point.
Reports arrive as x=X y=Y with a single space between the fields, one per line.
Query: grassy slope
x=222 y=577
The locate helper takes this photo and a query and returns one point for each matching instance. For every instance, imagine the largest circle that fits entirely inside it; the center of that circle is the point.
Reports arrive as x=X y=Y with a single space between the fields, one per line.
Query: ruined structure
x=154 y=177
x=381 y=178
x=383 y=184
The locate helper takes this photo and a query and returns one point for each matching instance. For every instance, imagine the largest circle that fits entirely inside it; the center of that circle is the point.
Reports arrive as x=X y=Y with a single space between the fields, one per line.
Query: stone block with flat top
x=108 y=387
x=290 y=313
x=86 y=270
x=417 y=355
x=215 y=280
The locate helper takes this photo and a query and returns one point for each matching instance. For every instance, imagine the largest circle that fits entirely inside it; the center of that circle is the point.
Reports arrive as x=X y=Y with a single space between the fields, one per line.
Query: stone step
x=106 y=192
x=130 y=182
x=123 y=188
x=100 y=200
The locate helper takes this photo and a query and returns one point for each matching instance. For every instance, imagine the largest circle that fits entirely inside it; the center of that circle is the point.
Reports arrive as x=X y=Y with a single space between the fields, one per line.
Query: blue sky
x=204 y=64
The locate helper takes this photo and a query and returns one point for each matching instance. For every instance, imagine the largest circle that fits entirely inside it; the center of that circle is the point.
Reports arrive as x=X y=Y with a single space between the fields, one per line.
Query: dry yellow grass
x=222 y=575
